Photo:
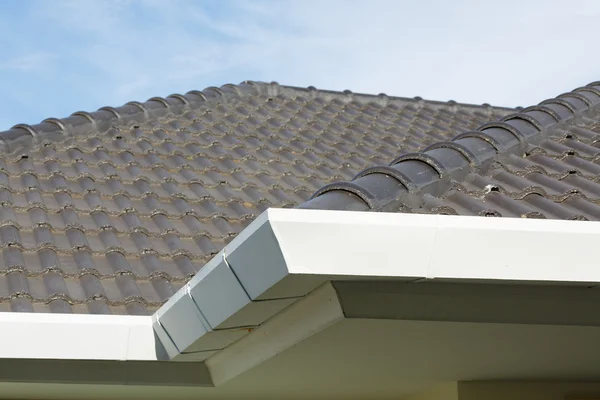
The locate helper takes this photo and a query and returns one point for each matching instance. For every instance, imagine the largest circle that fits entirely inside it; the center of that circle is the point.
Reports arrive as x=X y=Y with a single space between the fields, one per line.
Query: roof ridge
x=25 y=137
x=384 y=99
x=402 y=183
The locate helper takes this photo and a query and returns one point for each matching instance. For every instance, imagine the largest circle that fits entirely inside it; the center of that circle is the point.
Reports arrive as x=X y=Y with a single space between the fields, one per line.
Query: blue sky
x=61 y=56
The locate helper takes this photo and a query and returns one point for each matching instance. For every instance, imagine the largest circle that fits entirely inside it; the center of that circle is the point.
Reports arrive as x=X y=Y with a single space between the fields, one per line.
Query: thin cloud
x=29 y=62
x=107 y=53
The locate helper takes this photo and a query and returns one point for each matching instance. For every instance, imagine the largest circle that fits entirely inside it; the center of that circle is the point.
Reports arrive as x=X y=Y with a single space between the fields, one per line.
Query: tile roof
x=113 y=211
x=541 y=162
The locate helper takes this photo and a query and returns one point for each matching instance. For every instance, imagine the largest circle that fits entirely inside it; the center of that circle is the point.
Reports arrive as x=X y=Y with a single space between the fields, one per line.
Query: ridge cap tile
x=514 y=124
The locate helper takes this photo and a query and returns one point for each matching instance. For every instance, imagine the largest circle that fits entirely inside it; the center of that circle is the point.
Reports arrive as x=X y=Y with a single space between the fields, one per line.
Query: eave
x=285 y=255
x=300 y=283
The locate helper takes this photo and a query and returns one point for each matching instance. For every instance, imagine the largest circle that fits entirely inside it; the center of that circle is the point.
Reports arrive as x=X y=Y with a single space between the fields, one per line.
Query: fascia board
x=78 y=337
x=357 y=245
x=286 y=253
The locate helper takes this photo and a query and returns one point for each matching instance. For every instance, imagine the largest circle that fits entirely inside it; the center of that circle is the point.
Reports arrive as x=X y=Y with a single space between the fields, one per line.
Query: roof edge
x=267 y=270
x=24 y=137
x=383 y=98
x=112 y=349
x=78 y=337
x=431 y=171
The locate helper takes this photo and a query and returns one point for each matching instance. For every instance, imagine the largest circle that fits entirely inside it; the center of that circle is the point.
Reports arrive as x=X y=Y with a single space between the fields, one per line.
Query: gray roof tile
x=541 y=162
x=113 y=211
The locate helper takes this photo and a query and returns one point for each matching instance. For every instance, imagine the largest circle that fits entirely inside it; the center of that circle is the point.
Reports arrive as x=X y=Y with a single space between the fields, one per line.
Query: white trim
x=77 y=337
x=436 y=246
x=287 y=253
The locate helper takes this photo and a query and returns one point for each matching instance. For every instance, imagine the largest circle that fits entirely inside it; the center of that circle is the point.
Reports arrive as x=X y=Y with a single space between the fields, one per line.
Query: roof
x=112 y=212
x=541 y=162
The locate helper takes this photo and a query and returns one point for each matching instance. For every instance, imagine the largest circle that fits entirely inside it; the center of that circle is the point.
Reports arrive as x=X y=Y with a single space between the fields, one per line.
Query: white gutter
x=89 y=349
x=287 y=253
x=77 y=337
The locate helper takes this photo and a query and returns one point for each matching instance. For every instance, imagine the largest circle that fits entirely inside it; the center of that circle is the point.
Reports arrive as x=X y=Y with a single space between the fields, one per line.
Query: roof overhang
x=77 y=337
x=297 y=285
x=88 y=349
x=286 y=254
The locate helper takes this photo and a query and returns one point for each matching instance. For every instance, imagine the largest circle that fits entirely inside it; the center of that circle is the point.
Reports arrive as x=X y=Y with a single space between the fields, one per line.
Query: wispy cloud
x=110 y=52
x=37 y=61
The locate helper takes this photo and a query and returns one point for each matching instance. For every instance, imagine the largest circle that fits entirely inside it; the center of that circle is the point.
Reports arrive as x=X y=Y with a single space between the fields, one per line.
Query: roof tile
x=113 y=211
x=430 y=170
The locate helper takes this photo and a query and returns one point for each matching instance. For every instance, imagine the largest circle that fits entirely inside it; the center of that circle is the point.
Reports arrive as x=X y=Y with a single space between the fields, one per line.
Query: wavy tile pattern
x=559 y=178
x=112 y=212
x=542 y=162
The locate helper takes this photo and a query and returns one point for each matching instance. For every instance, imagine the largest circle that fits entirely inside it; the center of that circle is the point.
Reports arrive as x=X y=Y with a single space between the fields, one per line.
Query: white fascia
x=77 y=337
x=287 y=253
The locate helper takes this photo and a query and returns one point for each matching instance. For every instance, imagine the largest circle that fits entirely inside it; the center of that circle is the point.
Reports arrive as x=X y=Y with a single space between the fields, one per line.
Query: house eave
x=78 y=337
x=310 y=269
x=285 y=254
x=89 y=349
